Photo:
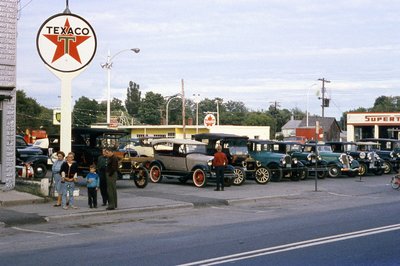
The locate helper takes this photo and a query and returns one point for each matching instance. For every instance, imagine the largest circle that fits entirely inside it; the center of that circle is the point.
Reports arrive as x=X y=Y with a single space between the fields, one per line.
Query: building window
x=159 y=135
x=171 y=135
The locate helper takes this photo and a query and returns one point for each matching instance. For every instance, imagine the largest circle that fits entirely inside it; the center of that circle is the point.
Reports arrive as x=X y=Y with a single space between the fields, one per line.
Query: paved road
x=252 y=218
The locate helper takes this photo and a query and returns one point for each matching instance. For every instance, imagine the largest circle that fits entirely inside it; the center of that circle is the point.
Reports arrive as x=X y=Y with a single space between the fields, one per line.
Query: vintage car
x=29 y=154
x=388 y=150
x=274 y=161
x=185 y=159
x=235 y=148
x=369 y=160
x=87 y=144
x=338 y=163
x=390 y=159
x=314 y=163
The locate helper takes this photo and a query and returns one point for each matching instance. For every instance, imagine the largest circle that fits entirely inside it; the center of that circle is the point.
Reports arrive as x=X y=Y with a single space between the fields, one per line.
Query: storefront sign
x=373 y=118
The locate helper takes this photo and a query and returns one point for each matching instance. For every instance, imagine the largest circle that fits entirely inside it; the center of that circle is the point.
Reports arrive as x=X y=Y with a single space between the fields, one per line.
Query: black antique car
x=369 y=160
x=388 y=150
x=235 y=148
x=276 y=161
x=312 y=161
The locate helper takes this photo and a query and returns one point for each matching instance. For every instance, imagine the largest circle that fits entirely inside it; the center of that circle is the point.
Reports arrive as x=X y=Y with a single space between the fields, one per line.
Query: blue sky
x=254 y=51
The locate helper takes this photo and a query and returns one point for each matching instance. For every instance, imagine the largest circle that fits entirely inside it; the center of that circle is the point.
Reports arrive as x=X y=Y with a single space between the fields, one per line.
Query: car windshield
x=350 y=147
x=293 y=147
x=237 y=147
x=324 y=148
x=196 y=149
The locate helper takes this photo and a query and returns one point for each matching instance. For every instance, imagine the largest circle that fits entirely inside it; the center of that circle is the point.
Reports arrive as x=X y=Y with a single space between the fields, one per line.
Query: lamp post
x=166 y=106
x=108 y=66
x=197 y=101
x=308 y=92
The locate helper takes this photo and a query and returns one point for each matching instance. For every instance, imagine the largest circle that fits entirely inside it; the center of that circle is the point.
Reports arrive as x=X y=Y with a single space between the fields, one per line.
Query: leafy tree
x=233 y=113
x=258 y=119
x=386 y=104
x=31 y=115
x=132 y=101
x=150 y=108
x=85 y=112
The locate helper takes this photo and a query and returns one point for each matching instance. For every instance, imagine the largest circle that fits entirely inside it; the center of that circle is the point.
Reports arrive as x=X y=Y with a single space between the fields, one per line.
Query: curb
x=11 y=203
x=118 y=211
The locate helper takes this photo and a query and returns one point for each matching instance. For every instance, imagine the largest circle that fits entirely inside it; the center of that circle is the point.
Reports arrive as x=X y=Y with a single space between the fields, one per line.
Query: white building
x=372 y=125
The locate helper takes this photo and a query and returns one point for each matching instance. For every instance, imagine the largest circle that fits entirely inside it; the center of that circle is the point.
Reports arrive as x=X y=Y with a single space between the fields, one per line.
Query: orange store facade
x=373 y=125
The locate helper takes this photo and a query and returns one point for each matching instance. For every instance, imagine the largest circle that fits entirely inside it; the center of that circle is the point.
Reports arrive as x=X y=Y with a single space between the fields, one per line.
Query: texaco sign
x=66 y=42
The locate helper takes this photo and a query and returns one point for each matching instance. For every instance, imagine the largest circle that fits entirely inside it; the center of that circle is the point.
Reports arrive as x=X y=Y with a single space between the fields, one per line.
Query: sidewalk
x=25 y=208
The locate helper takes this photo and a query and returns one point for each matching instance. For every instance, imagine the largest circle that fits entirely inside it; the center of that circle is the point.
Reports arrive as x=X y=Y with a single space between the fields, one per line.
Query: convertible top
x=177 y=141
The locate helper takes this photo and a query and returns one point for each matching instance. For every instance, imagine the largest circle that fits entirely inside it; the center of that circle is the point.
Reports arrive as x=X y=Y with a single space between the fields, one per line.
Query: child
x=93 y=183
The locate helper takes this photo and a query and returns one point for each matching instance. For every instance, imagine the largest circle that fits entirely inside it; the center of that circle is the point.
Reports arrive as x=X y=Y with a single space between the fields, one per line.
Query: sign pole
x=67 y=44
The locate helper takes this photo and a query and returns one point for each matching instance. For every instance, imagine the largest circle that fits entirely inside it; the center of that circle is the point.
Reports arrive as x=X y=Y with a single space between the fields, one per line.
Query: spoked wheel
x=155 y=174
x=387 y=167
x=263 y=175
x=141 y=178
x=395 y=182
x=362 y=169
x=239 y=176
x=199 y=178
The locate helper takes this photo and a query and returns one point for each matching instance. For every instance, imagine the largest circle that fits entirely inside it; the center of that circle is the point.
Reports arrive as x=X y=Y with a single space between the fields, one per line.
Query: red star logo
x=66 y=43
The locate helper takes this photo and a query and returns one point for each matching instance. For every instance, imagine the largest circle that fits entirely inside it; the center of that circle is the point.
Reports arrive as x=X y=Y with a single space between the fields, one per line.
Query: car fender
x=156 y=162
x=37 y=159
x=203 y=167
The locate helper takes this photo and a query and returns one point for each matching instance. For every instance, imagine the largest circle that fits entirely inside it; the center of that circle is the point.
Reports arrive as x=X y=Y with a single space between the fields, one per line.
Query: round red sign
x=66 y=42
x=209 y=120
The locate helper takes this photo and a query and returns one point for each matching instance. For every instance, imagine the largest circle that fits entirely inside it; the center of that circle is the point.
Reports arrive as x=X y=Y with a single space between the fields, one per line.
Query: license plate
x=288 y=165
x=126 y=176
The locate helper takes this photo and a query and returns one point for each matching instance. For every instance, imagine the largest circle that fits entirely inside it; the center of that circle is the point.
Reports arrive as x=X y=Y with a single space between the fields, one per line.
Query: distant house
x=330 y=127
x=289 y=129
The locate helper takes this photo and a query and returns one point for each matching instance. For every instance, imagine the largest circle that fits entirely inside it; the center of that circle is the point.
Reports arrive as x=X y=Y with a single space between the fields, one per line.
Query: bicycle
x=395 y=182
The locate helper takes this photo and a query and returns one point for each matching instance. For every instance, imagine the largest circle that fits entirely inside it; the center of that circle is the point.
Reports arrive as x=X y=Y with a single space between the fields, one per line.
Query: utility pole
x=183 y=110
x=325 y=101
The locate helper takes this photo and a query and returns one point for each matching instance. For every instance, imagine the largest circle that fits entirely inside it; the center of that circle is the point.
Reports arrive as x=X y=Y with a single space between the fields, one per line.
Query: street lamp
x=308 y=92
x=166 y=107
x=197 y=101
x=108 y=66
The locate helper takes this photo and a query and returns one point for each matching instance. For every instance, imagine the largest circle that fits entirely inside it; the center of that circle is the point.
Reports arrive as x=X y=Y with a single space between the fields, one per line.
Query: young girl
x=69 y=174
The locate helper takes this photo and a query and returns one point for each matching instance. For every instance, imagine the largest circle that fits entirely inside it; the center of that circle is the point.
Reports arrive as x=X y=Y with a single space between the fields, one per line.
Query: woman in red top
x=219 y=162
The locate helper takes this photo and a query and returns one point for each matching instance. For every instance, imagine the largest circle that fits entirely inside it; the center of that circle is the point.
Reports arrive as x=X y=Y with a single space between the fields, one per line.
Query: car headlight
x=209 y=162
x=244 y=163
x=258 y=163
x=377 y=157
x=294 y=160
x=362 y=155
x=392 y=154
x=369 y=156
x=319 y=158
x=309 y=157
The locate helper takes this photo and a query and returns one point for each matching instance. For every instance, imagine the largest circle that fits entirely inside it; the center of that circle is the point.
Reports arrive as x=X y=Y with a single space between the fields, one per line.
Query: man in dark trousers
x=101 y=168
x=112 y=175
x=219 y=162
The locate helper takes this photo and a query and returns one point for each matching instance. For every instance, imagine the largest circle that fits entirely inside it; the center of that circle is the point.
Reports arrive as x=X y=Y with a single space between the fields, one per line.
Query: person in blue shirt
x=92 y=183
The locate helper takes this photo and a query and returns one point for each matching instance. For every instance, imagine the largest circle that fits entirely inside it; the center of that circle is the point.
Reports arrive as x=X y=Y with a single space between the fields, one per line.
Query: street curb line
x=118 y=211
x=257 y=199
x=22 y=202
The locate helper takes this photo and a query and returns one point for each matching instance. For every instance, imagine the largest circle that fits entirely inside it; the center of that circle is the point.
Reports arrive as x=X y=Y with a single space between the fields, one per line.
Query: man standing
x=112 y=175
x=219 y=162
x=101 y=167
